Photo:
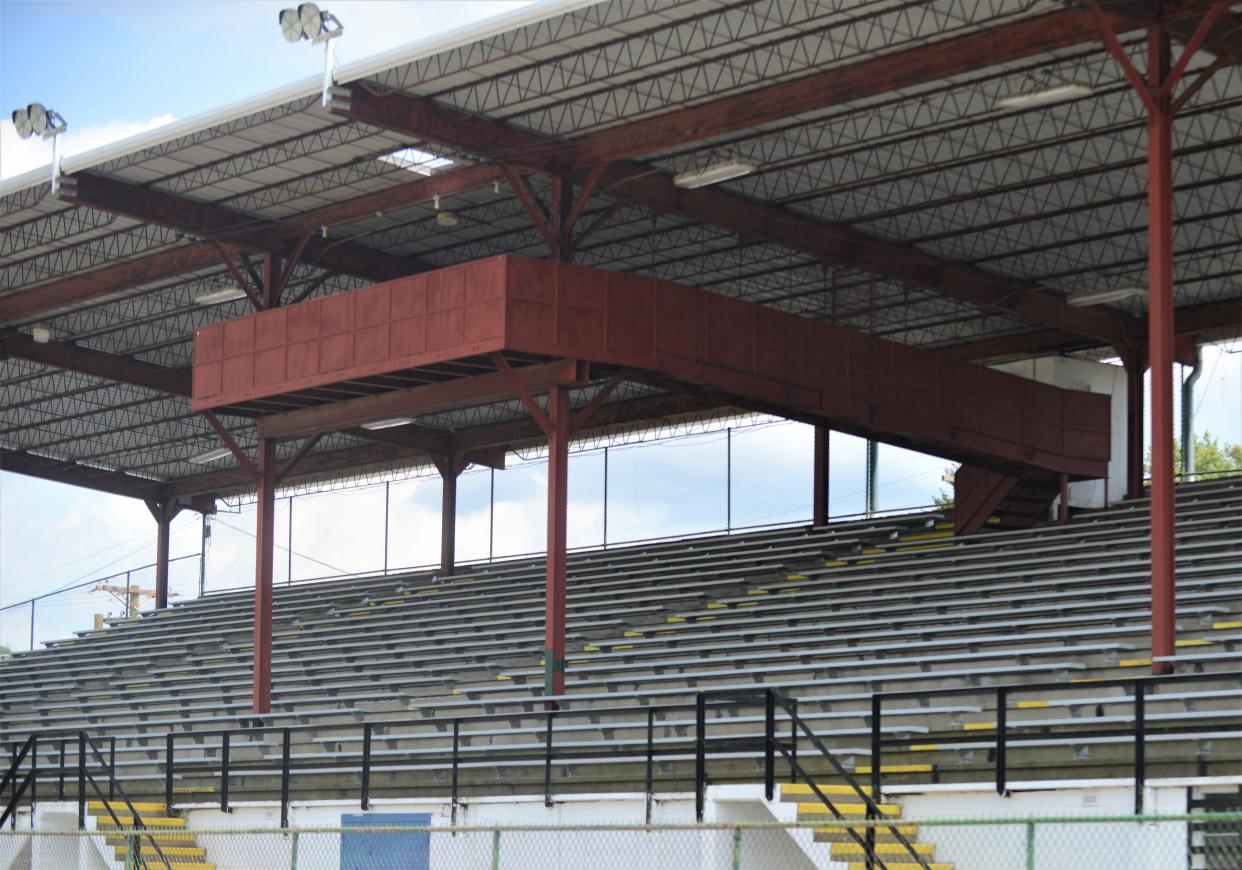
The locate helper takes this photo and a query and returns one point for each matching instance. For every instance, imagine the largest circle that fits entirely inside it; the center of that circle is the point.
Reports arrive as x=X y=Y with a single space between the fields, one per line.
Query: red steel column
x=819 y=500
x=1160 y=348
x=1134 y=425
x=265 y=530
x=558 y=497
x=448 y=514
x=163 y=526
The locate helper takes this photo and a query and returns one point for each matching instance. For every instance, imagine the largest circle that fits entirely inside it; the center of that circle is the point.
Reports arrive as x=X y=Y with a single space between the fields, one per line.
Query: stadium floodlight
x=1104 y=296
x=391 y=423
x=714 y=174
x=310 y=22
x=37 y=120
x=213 y=297
x=210 y=456
x=1052 y=94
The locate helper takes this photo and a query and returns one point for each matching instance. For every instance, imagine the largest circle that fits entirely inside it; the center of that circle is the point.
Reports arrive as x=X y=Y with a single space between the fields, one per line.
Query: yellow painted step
x=126 y=821
x=1219 y=626
x=903 y=865
x=119 y=807
x=841 y=833
x=847 y=850
x=891 y=811
x=865 y=769
x=167 y=851
x=161 y=837
x=800 y=790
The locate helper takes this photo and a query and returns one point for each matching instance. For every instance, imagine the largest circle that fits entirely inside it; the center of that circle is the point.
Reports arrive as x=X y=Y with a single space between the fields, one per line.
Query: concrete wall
x=1123 y=845
x=1092 y=377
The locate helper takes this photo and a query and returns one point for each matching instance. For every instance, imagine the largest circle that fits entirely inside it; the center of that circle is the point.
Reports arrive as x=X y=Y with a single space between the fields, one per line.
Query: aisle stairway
x=844 y=847
x=178 y=845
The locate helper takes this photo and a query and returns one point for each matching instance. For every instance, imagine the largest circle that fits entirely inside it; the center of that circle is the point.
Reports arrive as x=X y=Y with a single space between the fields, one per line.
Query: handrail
x=85 y=776
x=1003 y=737
x=873 y=808
x=29 y=747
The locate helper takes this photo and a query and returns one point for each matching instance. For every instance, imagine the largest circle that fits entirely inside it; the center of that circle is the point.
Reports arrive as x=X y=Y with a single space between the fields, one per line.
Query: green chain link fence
x=1168 y=842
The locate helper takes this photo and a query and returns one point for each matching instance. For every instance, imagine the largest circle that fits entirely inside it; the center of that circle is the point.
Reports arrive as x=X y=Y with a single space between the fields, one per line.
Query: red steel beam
x=168 y=264
x=84 y=360
x=522 y=430
x=427 y=399
x=42 y=298
x=69 y=472
x=153 y=206
x=832 y=243
x=874 y=76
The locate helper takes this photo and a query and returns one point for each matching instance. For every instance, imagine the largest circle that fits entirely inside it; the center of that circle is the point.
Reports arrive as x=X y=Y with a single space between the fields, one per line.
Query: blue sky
x=115 y=69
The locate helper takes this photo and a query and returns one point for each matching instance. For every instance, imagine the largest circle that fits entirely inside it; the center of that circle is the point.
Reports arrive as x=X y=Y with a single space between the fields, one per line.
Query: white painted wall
x=1123 y=846
x=1113 y=846
x=1091 y=377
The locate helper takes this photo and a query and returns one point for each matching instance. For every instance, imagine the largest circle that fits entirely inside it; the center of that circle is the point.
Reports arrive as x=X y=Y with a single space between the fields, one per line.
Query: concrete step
x=848 y=810
x=800 y=792
x=841 y=834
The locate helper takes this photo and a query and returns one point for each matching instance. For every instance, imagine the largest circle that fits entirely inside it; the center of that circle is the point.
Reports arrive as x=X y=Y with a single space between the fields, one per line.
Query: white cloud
x=19 y=155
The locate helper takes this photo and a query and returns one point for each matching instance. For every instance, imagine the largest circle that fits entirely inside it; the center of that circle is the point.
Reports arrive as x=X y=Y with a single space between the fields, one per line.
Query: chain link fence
x=747 y=473
x=1206 y=841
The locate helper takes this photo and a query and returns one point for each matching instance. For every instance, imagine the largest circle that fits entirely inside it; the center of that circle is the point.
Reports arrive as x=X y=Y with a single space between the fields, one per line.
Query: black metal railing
x=1005 y=737
x=771 y=701
x=88 y=751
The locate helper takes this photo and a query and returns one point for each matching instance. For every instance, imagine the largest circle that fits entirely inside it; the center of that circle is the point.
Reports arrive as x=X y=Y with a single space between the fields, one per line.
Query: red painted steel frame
x=558 y=496
x=265 y=530
x=1160 y=348
x=748 y=353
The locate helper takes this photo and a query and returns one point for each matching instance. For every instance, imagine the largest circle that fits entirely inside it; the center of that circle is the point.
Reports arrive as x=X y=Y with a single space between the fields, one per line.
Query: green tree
x=4 y=651
x=1210 y=456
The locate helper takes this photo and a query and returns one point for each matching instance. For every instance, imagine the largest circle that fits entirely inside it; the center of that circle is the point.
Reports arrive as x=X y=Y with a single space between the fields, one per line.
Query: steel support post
x=819 y=501
x=265 y=530
x=1134 y=367
x=558 y=496
x=449 y=470
x=1160 y=345
x=164 y=513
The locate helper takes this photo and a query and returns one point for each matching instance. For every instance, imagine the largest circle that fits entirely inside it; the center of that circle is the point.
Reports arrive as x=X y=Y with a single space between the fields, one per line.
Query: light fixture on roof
x=1052 y=94
x=41 y=333
x=714 y=174
x=1104 y=296
x=308 y=21
x=445 y=220
x=36 y=120
x=392 y=423
x=210 y=456
x=214 y=297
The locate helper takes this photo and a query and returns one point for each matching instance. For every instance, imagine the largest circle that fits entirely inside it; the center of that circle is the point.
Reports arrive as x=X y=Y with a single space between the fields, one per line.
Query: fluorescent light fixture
x=715 y=173
x=446 y=220
x=392 y=423
x=1054 y=94
x=210 y=456
x=213 y=297
x=41 y=333
x=1104 y=296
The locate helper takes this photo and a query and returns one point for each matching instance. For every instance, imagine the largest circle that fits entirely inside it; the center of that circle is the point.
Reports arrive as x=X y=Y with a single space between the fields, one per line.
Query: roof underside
x=1052 y=198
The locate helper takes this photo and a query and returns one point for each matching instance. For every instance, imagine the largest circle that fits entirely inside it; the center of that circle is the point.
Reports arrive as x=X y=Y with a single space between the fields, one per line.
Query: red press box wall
x=558 y=310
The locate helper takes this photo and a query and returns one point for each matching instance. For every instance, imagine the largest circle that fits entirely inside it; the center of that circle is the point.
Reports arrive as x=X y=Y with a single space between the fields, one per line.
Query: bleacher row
x=828 y=616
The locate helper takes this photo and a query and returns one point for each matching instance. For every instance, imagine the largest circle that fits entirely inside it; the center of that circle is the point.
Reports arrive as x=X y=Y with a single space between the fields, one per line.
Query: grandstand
x=589 y=219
